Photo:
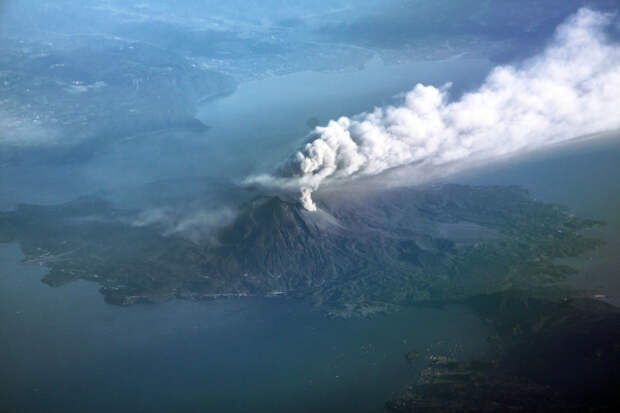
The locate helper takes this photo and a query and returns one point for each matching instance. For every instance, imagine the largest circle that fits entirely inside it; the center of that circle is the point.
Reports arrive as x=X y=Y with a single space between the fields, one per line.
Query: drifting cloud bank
x=571 y=89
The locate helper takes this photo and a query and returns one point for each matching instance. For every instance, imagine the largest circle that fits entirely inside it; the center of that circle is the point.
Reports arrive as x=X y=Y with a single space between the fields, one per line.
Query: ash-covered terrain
x=356 y=255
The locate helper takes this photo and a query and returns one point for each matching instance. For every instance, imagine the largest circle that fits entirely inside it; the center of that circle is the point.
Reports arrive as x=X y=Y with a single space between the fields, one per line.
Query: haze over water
x=293 y=67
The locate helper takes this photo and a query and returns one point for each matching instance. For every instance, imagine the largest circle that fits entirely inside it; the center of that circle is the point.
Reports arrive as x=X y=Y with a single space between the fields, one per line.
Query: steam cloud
x=197 y=225
x=571 y=89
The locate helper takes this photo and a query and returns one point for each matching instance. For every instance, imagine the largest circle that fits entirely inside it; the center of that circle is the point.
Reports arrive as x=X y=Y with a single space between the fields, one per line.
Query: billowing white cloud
x=571 y=89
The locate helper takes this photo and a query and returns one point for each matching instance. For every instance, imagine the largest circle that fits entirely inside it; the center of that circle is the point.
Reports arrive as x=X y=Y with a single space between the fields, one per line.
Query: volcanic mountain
x=357 y=253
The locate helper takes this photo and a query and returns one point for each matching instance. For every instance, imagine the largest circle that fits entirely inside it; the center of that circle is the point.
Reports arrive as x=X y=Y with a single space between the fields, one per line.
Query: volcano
x=357 y=253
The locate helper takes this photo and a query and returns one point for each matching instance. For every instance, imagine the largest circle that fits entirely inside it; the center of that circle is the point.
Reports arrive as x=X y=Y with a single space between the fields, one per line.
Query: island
x=359 y=254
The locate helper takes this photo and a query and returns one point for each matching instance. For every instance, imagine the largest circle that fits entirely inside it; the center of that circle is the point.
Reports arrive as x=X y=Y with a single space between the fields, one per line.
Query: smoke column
x=571 y=89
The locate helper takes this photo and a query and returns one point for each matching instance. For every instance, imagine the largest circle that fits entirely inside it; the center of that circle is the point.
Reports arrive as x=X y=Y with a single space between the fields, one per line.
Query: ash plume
x=571 y=89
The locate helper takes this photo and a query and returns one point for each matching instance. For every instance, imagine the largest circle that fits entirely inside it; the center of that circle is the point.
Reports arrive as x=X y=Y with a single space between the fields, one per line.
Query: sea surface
x=65 y=350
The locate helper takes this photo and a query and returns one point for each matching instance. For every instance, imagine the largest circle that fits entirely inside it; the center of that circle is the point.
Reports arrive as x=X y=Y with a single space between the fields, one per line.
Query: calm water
x=66 y=350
